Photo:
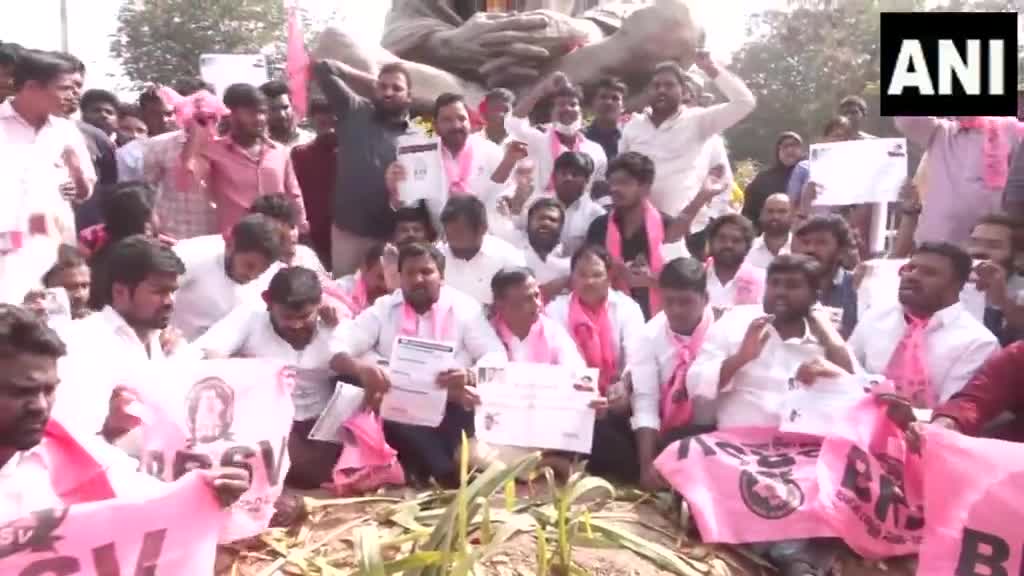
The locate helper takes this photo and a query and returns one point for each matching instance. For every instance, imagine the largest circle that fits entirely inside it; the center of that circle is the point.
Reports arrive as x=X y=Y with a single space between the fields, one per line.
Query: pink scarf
x=907 y=368
x=654 y=226
x=593 y=333
x=749 y=282
x=556 y=151
x=458 y=169
x=676 y=406
x=442 y=316
x=538 y=350
x=996 y=150
x=186 y=106
x=75 y=475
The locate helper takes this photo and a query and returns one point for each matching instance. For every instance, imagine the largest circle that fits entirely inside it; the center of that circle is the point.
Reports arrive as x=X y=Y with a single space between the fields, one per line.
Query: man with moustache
x=543 y=250
x=367 y=131
x=826 y=238
x=424 y=307
x=991 y=247
x=776 y=219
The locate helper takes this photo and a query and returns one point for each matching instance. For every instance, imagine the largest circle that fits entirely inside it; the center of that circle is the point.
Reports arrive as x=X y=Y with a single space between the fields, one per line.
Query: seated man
x=991 y=245
x=283 y=210
x=219 y=278
x=33 y=446
x=731 y=280
x=993 y=391
x=659 y=359
x=424 y=308
x=472 y=255
x=827 y=238
x=289 y=328
x=360 y=290
x=543 y=251
x=928 y=345
x=747 y=359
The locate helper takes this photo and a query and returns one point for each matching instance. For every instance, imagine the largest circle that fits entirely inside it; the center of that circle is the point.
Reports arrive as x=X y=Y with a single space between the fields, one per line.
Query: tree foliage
x=161 y=40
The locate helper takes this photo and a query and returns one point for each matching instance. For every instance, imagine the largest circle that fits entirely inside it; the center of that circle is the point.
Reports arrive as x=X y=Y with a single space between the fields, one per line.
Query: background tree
x=161 y=40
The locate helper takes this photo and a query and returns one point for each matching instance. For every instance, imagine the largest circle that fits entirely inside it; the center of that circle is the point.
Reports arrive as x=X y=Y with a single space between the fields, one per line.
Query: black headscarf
x=772 y=180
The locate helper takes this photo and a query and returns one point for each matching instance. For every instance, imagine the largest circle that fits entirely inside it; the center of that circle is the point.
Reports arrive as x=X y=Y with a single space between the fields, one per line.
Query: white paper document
x=814 y=409
x=344 y=404
x=414 y=397
x=424 y=169
x=537 y=406
x=858 y=171
x=223 y=70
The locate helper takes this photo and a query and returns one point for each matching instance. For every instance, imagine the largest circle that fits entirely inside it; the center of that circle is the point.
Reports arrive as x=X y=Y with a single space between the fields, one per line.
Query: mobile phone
x=56 y=304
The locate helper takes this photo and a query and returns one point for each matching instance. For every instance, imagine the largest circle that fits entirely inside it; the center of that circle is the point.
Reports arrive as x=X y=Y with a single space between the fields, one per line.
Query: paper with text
x=424 y=170
x=814 y=409
x=858 y=171
x=414 y=396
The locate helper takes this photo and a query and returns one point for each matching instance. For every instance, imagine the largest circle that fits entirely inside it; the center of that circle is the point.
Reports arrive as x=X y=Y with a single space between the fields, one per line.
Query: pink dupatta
x=749 y=282
x=75 y=475
x=593 y=333
x=557 y=149
x=676 y=406
x=442 y=319
x=538 y=350
x=655 y=229
x=908 y=369
x=458 y=170
x=996 y=150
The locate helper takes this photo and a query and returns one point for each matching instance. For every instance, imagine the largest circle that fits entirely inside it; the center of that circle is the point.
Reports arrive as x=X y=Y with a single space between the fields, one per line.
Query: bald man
x=775 y=220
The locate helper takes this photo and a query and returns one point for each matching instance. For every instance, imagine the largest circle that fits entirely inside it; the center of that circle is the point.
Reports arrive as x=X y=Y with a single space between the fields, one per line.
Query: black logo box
x=928 y=28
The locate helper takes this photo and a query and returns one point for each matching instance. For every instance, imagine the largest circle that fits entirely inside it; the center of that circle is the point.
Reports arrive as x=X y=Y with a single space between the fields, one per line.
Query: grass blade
x=661 y=556
x=368 y=545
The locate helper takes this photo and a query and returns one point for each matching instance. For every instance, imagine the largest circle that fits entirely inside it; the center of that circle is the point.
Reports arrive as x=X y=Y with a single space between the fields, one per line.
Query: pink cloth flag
x=297 y=65
x=747 y=484
x=973 y=509
x=871 y=483
x=173 y=531
x=235 y=412
x=367 y=462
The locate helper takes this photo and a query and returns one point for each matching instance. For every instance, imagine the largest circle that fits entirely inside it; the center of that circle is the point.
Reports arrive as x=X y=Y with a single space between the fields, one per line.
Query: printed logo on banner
x=873 y=487
x=949 y=64
x=34 y=533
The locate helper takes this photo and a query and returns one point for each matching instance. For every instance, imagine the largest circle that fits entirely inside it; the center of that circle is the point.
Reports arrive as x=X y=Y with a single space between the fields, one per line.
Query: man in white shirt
x=423 y=308
x=283 y=210
x=42 y=465
x=659 y=358
x=776 y=219
x=288 y=328
x=543 y=252
x=138 y=302
x=673 y=134
x=219 y=277
x=472 y=255
x=495 y=108
x=564 y=134
x=731 y=281
x=928 y=345
x=713 y=161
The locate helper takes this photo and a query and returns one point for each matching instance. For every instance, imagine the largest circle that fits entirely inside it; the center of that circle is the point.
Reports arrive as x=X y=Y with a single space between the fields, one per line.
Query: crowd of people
x=186 y=226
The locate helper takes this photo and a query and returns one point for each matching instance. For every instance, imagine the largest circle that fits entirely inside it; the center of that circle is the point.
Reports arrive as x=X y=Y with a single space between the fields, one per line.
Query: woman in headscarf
x=789 y=149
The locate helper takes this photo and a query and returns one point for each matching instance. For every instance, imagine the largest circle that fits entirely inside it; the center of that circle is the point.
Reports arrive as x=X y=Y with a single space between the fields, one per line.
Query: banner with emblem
x=173 y=531
x=747 y=484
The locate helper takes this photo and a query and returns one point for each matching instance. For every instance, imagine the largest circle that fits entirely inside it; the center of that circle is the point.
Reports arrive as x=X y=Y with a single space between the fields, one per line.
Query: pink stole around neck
x=749 y=282
x=908 y=368
x=458 y=170
x=557 y=149
x=593 y=332
x=676 y=406
x=442 y=316
x=538 y=349
x=654 y=228
x=995 y=156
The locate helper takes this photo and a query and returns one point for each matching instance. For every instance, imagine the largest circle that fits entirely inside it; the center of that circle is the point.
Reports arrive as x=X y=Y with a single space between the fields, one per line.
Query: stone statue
x=453 y=46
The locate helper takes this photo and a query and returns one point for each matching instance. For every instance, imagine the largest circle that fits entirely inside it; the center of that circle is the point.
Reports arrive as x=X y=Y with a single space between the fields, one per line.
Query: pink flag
x=235 y=412
x=871 y=484
x=973 y=508
x=297 y=66
x=174 y=531
x=366 y=462
x=747 y=484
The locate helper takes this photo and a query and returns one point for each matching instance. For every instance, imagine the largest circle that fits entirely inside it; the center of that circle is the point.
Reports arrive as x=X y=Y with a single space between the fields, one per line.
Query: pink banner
x=870 y=484
x=173 y=532
x=747 y=485
x=235 y=412
x=973 y=509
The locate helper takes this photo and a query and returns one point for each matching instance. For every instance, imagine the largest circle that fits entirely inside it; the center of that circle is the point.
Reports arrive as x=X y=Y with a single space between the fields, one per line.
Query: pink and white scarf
x=654 y=227
x=458 y=170
x=557 y=149
x=749 y=281
x=908 y=368
x=538 y=349
x=676 y=406
x=996 y=149
x=442 y=316
x=593 y=332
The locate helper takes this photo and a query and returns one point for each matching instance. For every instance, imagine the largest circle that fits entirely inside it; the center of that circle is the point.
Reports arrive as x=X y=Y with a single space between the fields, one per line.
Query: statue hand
x=529 y=33
x=463 y=47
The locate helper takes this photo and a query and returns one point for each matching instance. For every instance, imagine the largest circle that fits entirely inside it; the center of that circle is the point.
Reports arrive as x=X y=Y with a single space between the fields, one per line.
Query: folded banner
x=174 y=531
x=747 y=484
x=973 y=509
x=871 y=484
x=235 y=412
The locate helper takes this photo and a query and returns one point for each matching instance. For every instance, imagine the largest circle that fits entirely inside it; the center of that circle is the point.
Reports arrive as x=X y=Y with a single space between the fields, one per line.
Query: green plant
x=565 y=519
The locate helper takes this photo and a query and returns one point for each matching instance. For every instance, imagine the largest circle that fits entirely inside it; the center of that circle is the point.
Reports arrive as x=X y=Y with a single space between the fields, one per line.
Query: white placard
x=414 y=397
x=536 y=406
x=223 y=70
x=858 y=171
x=814 y=409
x=424 y=169
x=344 y=404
